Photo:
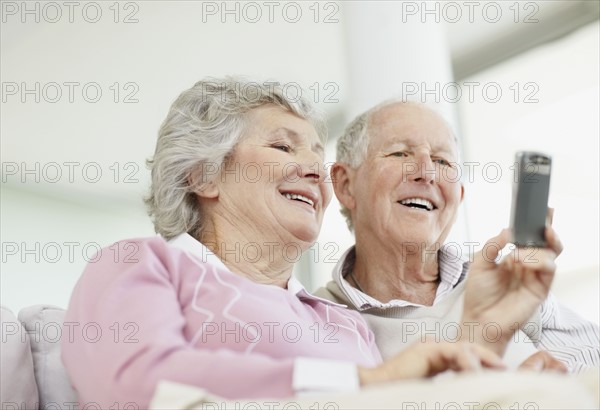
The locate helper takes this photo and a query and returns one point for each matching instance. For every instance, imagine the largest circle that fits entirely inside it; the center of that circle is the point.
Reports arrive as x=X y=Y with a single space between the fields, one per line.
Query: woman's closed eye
x=282 y=147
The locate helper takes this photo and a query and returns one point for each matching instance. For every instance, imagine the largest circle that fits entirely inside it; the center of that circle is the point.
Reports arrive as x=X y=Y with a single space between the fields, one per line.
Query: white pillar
x=389 y=48
x=393 y=47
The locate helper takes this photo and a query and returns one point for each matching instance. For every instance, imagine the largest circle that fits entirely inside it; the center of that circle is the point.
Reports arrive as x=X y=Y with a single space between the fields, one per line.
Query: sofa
x=32 y=373
x=33 y=377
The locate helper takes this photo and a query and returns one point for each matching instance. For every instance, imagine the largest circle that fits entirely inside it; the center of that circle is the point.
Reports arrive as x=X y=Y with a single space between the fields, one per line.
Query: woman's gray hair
x=202 y=128
x=353 y=145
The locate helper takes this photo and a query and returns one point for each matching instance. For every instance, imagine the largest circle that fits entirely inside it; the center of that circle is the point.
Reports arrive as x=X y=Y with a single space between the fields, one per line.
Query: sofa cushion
x=18 y=388
x=44 y=323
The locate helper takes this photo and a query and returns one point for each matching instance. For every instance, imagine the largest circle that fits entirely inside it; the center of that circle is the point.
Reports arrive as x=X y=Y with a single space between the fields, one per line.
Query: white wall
x=45 y=239
x=169 y=47
x=560 y=118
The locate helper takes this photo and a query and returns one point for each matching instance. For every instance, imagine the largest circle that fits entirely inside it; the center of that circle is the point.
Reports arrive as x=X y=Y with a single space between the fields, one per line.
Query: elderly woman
x=238 y=190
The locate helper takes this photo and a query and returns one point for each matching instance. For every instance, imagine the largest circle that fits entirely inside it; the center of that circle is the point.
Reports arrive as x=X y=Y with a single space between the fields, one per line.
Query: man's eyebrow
x=444 y=150
x=407 y=142
x=396 y=141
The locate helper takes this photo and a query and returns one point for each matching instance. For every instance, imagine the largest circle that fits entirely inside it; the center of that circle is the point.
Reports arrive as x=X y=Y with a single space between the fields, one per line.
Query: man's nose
x=423 y=169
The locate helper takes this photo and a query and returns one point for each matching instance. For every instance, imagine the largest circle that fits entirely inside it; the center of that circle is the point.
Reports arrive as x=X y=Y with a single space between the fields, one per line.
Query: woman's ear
x=202 y=188
x=343 y=179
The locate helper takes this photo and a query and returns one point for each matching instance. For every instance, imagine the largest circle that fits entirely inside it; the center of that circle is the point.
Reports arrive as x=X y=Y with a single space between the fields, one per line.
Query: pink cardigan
x=146 y=310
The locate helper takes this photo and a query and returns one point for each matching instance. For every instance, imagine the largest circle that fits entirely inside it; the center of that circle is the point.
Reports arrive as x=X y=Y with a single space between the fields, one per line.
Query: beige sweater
x=397 y=327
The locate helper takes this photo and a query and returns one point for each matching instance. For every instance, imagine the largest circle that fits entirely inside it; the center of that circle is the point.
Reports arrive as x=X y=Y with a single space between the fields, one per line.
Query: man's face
x=407 y=189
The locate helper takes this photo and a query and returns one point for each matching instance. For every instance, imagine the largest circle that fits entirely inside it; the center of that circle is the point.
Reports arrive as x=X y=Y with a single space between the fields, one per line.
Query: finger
x=543 y=361
x=553 y=241
x=553 y=364
x=472 y=357
x=444 y=356
x=492 y=248
x=533 y=364
x=508 y=264
x=518 y=270
x=534 y=258
x=538 y=281
x=487 y=357
x=465 y=359
x=549 y=216
x=558 y=366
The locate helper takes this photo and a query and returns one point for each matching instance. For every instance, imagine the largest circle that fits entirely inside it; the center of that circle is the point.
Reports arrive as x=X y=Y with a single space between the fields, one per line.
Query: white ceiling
x=166 y=51
x=466 y=37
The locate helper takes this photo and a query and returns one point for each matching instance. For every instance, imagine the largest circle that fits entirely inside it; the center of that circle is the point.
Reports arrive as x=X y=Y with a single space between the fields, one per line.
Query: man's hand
x=506 y=293
x=543 y=361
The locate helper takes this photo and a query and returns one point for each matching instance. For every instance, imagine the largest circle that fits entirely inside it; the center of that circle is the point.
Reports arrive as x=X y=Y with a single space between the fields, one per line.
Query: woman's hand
x=426 y=359
x=506 y=293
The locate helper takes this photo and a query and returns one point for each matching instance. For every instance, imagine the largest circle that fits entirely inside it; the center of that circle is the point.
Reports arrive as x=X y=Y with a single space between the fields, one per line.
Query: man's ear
x=208 y=190
x=342 y=177
x=462 y=192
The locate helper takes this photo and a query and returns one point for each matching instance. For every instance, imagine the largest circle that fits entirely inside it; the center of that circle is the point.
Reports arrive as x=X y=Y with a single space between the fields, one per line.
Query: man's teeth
x=300 y=198
x=418 y=202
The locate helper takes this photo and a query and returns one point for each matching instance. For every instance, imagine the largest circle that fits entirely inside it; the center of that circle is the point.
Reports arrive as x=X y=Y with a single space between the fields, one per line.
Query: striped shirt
x=566 y=335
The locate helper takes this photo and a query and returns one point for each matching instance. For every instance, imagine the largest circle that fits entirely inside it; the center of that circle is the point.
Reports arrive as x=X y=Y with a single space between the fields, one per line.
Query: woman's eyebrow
x=286 y=132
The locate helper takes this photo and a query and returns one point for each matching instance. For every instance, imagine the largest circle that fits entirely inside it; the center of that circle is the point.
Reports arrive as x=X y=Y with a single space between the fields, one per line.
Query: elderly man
x=397 y=179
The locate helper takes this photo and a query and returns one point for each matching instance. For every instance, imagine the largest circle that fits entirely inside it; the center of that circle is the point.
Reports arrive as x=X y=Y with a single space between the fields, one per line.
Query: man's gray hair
x=201 y=130
x=353 y=145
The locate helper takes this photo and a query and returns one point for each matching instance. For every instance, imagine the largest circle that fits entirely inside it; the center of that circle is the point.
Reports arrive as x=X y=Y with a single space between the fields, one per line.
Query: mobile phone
x=531 y=187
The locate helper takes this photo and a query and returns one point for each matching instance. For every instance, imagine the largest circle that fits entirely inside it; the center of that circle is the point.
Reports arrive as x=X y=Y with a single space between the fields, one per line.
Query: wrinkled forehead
x=410 y=122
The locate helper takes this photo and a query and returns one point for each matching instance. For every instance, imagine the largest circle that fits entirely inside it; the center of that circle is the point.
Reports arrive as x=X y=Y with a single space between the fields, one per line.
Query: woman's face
x=274 y=185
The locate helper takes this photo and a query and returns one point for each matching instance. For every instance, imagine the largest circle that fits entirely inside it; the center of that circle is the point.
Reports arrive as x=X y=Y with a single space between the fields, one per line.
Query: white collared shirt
x=566 y=335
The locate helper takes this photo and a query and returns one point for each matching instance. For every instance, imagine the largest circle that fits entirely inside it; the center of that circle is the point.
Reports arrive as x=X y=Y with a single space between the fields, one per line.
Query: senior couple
x=237 y=324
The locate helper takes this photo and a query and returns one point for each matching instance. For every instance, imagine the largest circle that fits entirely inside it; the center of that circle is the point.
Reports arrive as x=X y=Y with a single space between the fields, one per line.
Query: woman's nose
x=312 y=171
x=311 y=166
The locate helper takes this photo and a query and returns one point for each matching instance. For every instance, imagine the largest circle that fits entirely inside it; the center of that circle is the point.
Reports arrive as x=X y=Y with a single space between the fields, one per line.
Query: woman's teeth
x=299 y=198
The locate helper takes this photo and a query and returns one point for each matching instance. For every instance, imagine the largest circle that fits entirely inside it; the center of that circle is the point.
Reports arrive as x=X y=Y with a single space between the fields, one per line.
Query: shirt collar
x=358 y=299
x=453 y=265
x=453 y=269
x=198 y=250
x=300 y=291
